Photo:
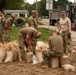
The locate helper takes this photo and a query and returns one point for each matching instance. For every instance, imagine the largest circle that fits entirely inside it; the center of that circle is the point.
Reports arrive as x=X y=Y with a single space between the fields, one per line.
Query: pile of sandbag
x=40 y=47
x=8 y=52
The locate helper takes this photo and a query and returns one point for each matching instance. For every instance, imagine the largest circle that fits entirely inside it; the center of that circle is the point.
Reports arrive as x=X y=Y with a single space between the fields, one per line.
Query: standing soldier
x=33 y=21
x=8 y=28
x=65 y=26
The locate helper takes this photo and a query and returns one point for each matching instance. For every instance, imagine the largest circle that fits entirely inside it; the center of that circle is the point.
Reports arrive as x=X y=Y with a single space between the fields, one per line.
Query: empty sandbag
x=68 y=67
x=29 y=56
x=2 y=55
x=34 y=59
x=9 y=56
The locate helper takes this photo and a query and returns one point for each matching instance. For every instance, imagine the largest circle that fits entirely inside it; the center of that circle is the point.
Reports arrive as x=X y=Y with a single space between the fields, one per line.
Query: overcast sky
x=32 y=1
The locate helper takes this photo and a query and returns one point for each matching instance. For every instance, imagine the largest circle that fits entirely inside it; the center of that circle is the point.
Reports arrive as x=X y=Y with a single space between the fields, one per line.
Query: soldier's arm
x=7 y=25
x=69 y=25
x=28 y=40
x=59 y=26
x=31 y=22
x=49 y=43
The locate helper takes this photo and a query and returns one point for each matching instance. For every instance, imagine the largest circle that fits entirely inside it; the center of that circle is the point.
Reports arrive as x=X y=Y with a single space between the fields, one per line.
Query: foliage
x=45 y=34
x=14 y=33
x=11 y=4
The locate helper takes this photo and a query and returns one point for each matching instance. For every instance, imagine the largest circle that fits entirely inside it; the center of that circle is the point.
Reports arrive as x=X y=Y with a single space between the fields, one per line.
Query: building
x=16 y=12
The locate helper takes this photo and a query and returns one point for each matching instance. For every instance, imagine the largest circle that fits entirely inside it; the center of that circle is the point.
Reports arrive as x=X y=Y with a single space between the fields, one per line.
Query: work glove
x=69 y=35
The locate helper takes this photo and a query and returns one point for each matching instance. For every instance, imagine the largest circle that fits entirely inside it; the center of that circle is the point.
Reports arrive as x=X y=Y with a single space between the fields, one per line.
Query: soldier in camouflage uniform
x=33 y=23
x=25 y=38
x=1 y=35
x=8 y=28
x=65 y=26
x=55 y=48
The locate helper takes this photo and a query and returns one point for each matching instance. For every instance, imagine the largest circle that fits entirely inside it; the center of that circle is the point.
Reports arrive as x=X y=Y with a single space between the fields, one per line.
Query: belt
x=64 y=31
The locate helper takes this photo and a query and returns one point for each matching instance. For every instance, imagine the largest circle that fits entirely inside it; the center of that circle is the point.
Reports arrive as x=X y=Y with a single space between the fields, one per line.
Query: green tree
x=11 y=4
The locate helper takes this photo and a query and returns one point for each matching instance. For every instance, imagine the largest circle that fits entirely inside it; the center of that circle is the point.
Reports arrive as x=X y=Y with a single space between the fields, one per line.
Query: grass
x=44 y=37
x=14 y=32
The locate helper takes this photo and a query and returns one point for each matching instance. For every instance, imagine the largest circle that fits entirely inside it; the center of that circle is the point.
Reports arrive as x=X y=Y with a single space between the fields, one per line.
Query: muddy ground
x=23 y=68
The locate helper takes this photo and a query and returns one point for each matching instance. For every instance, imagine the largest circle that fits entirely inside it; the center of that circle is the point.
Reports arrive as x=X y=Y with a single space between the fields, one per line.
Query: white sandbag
x=44 y=48
x=39 y=56
x=40 y=44
x=55 y=62
x=14 y=49
x=64 y=60
x=34 y=59
x=2 y=55
x=9 y=56
x=68 y=67
x=29 y=56
x=73 y=55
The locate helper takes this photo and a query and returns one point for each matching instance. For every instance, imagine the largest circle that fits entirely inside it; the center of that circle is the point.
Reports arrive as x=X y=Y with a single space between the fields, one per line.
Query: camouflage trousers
x=34 y=43
x=47 y=56
x=6 y=36
x=1 y=38
x=66 y=41
x=21 y=46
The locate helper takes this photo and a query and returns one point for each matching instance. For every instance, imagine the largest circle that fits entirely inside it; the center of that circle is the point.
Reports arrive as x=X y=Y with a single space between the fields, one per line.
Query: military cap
x=63 y=12
x=39 y=34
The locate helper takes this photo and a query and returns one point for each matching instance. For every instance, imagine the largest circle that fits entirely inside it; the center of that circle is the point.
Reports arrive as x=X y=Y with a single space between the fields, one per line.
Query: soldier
x=65 y=26
x=1 y=35
x=55 y=47
x=33 y=21
x=8 y=28
x=25 y=38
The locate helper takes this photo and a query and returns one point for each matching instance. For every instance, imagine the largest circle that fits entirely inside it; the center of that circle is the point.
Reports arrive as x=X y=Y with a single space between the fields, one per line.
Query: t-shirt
x=56 y=43
x=64 y=23
x=33 y=21
x=27 y=30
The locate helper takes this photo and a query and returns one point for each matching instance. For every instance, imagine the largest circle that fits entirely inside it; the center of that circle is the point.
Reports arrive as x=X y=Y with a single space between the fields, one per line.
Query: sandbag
x=40 y=44
x=2 y=55
x=64 y=60
x=73 y=55
x=68 y=67
x=9 y=56
x=19 y=22
x=55 y=62
x=29 y=56
x=39 y=56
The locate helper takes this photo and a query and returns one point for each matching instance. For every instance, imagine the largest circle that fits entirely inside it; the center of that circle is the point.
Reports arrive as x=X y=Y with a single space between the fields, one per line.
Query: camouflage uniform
x=7 y=31
x=1 y=28
x=65 y=32
x=56 y=43
x=33 y=21
x=21 y=40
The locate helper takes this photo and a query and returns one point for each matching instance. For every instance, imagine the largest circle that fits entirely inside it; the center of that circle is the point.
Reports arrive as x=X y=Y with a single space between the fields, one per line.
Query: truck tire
x=19 y=22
